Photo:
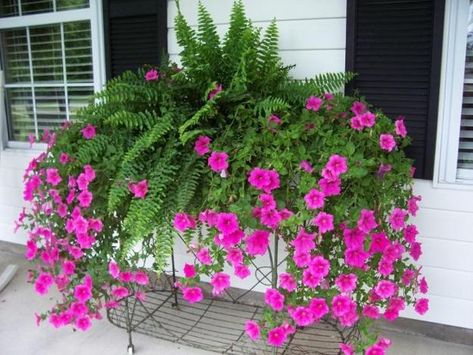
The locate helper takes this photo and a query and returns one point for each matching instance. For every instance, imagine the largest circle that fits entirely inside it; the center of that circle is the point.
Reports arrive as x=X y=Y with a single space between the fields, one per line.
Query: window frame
x=446 y=172
x=94 y=14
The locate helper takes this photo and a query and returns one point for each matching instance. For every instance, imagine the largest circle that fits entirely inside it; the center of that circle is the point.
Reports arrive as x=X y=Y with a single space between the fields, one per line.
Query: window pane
x=71 y=4
x=15 y=56
x=20 y=113
x=36 y=6
x=46 y=53
x=8 y=8
x=78 y=46
x=78 y=98
x=50 y=107
x=465 y=151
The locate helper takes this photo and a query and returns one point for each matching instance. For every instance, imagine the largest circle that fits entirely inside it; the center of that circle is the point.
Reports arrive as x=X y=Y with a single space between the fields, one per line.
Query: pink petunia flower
x=88 y=132
x=83 y=323
x=423 y=286
x=379 y=242
x=341 y=305
x=257 y=242
x=220 y=282
x=242 y=271
x=367 y=221
x=306 y=166
x=201 y=146
x=310 y=279
x=346 y=349
x=330 y=187
x=113 y=269
x=64 y=158
x=383 y=169
x=367 y=119
x=371 y=311
x=152 y=75
x=52 y=176
x=313 y=103
x=314 y=199
x=193 y=294
x=141 y=278
x=412 y=205
x=385 y=289
x=287 y=281
x=267 y=201
x=397 y=219
x=302 y=316
x=356 y=257
x=274 y=299
x=253 y=330
x=203 y=255
x=275 y=119
x=277 y=336
x=68 y=267
x=416 y=250
x=31 y=250
x=319 y=307
x=82 y=293
x=375 y=350
x=270 y=217
x=324 y=221
x=356 y=124
x=183 y=221
x=227 y=223
x=304 y=242
x=400 y=128
x=139 y=189
x=358 y=108
x=85 y=198
x=218 y=161
x=407 y=277
x=301 y=259
x=337 y=164
x=189 y=271
x=387 y=142
x=346 y=282
x=259 y=178
x=120 y=292
x=319 y=266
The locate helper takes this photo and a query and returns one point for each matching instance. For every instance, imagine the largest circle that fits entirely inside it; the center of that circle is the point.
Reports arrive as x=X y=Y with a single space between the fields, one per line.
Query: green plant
x=114 y=186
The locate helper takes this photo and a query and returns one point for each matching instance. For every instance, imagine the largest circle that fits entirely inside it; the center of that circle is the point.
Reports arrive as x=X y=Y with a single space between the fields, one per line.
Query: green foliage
x=146 y=130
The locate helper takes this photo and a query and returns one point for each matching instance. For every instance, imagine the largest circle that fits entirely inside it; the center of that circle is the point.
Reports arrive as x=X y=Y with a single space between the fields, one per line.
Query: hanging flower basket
x=241 y=162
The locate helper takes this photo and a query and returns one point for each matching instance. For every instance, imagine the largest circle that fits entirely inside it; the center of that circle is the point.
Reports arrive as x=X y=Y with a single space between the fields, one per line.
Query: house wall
x=313 y=37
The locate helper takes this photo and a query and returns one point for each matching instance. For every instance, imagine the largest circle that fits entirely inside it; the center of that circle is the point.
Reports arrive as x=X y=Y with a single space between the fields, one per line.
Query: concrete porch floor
x=19 y=334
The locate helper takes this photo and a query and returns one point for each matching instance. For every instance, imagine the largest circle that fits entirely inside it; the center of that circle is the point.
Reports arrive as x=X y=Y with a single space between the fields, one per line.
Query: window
x=51 y=61
x=465 y=149
x=455 y=135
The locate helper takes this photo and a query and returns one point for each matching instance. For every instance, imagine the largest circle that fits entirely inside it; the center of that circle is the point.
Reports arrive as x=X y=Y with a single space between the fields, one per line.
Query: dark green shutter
x=135 y=33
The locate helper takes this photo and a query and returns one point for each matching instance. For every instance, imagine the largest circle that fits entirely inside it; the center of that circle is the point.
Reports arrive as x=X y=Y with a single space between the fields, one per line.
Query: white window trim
x=94 y=14
x=450 y=98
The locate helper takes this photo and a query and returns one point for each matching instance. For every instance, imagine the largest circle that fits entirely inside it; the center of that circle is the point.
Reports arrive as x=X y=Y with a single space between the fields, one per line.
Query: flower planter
x=217 y=323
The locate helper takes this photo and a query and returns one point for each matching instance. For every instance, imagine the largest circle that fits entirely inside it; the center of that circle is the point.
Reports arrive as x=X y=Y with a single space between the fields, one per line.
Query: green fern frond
x=207 y=111
x=270 y=105
x=132 y=120
x=234 y=42
x=159 y=130
x=92 y=149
